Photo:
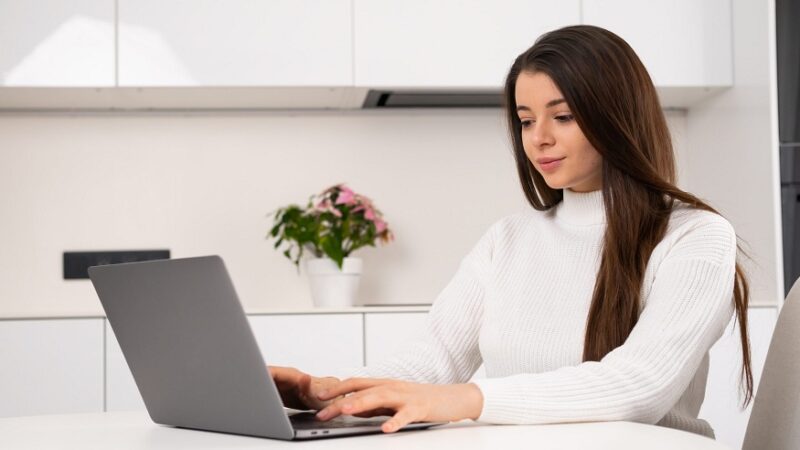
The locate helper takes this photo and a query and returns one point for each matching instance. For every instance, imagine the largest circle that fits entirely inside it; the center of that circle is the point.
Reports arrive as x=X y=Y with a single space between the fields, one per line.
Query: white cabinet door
x=320 y=344
x=448 y=43
x=681 y=42
x=51 y=366
x=721 y=407
x=57 y=43
x=121 y=391
x=235 y=43
x=387 y=333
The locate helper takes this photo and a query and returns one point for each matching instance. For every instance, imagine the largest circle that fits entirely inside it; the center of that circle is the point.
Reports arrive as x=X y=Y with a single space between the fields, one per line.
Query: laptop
x=196 y=363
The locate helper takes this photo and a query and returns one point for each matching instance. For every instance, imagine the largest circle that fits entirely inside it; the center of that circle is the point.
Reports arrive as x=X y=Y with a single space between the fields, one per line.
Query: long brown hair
x=616 y=106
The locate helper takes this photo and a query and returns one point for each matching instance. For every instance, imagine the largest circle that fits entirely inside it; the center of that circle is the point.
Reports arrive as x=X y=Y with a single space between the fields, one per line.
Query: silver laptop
x=194 y=358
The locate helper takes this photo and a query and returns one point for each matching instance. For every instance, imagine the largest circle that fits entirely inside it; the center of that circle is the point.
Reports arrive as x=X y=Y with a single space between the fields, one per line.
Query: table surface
x=135 y=430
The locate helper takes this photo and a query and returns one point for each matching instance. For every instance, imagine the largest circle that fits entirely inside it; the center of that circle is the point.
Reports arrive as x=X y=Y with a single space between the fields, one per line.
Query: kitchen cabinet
x=448 y=43
x=235 y=43
x=54 y=43
x=721 y=407
x=121 y=391
x=683 y=43
x=319 y=344
x=300 y=54
x=386 y=333
x=51 y=366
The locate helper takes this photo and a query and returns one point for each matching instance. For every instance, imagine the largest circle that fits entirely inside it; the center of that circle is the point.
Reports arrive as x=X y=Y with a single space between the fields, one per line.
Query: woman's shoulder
x=697 y=232
x=685 y=217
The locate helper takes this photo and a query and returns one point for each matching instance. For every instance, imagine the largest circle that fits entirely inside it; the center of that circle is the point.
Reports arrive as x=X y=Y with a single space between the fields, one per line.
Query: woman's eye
x=564 y=118
x=526 y=123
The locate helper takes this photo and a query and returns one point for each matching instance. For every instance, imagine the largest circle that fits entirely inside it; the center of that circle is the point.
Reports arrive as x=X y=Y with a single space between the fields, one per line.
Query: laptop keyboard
x=309 y=421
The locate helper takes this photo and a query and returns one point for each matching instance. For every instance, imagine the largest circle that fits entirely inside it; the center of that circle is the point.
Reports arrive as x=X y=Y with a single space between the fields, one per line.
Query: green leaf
x=333 y=248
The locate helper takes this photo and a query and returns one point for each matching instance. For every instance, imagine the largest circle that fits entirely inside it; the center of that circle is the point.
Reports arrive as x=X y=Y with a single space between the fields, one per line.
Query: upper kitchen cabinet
x=458 y=44
x=57 y=43
x=235 y=43
x=686 y=45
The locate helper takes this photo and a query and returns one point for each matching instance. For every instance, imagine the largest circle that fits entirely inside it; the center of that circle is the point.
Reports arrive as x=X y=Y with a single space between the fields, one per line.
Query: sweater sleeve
x=447 y=351
x=686 y=310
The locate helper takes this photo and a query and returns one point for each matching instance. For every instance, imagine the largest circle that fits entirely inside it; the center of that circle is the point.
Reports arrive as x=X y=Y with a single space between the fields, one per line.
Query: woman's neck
x=582 y=208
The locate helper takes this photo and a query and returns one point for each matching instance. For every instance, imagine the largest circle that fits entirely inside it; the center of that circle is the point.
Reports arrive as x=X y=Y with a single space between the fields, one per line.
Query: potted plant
x=334 y=224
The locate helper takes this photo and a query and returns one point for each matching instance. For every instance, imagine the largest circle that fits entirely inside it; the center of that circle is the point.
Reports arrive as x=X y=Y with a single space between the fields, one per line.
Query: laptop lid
x=189 y=346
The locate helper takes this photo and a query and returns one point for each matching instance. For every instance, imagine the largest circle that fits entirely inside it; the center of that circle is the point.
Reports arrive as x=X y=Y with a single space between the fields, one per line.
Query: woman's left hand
x=407 y=402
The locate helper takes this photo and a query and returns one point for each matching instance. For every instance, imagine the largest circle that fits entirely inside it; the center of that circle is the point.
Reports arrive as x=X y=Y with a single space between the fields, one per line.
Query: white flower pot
x=330 y=286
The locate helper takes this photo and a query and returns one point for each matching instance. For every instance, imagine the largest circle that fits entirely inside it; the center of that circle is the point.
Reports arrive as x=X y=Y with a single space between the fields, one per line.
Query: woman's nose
x=541 y=136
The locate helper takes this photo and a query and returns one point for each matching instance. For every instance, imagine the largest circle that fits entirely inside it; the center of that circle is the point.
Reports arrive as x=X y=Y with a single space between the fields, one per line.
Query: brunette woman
x=601 y=302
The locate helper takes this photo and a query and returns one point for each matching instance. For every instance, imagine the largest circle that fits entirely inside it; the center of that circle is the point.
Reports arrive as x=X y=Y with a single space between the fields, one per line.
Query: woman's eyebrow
x=549 y=104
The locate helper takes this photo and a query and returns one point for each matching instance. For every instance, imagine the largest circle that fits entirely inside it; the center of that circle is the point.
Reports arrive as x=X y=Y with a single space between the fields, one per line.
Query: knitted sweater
x=519 y=301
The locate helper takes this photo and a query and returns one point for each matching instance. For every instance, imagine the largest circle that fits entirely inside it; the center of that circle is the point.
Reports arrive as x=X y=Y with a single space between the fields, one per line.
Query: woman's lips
x=551 y=165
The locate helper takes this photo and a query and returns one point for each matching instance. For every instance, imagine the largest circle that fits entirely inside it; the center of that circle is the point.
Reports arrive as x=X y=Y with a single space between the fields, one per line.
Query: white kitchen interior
x=137 y=124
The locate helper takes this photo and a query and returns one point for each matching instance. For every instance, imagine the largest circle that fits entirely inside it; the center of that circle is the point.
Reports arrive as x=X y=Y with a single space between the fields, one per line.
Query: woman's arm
x=447 y=351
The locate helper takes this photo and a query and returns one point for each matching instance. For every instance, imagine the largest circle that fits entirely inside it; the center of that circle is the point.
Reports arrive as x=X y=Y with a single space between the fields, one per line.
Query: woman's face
x=553 y=142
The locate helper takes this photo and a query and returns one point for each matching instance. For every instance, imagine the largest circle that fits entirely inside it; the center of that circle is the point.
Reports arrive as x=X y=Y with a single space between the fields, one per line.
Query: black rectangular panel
x=76 y=264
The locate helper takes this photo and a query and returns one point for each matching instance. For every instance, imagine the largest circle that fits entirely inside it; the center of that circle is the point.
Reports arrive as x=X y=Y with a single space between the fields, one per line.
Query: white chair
x=775 y=420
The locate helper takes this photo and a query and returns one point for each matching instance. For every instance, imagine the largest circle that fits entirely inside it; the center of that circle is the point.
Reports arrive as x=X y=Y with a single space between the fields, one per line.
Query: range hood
x=432 y=99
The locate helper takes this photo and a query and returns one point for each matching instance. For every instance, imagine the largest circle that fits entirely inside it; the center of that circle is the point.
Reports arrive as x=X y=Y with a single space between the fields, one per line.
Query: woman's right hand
x=299 y=390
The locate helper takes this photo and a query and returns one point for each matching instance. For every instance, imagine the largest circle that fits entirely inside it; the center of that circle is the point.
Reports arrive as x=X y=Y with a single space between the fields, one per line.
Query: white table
x=134 y=430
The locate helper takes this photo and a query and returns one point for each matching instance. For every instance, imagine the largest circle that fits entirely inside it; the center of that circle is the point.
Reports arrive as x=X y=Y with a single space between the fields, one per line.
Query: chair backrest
x=775 y=419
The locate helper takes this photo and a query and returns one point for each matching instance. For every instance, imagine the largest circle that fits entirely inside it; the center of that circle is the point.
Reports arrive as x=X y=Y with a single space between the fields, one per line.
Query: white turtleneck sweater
x=519 y=301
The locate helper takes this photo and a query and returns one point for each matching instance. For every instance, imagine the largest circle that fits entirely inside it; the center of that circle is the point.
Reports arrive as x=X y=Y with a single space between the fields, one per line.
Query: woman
x=599 y=304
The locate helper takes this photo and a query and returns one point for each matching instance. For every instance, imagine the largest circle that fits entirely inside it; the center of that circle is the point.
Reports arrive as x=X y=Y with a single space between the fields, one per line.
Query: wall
x=204 y=183
x=732 y=154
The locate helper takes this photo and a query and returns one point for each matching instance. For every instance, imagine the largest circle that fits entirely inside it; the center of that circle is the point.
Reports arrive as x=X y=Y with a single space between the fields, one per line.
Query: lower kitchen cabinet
x=319 y=344
x=121 y=391
x=51 y=366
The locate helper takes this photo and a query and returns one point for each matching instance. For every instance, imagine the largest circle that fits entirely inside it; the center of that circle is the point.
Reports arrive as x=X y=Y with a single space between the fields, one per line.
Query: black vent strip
x=432 y=99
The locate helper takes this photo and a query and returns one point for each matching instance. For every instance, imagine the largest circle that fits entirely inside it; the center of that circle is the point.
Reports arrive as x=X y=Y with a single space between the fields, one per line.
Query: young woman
x=601 y=302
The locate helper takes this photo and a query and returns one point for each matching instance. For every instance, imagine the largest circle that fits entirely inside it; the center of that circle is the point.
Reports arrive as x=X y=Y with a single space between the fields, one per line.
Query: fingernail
x=322 y=414
x=346 y=407
x=322 y=394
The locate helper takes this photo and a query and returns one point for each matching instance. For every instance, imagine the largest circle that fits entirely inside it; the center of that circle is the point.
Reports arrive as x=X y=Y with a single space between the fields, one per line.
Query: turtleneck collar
x=582 y=208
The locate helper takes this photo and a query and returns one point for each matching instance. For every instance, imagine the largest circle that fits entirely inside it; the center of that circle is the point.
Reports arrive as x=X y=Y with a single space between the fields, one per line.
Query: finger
x=376 y=412
x=402 y=418
x=304 y=384
x=371 y=399
x=350 y=385
x=284 y=374
x=345 y=405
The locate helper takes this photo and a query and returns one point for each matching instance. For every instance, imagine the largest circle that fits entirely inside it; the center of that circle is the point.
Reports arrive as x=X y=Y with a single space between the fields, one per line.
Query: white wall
x=203 y=183
x=732 y=157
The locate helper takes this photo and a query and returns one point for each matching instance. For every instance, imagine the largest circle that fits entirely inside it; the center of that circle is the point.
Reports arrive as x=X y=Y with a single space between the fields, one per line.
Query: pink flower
x=369 y=214
x=346 y=197
x=326 y=206
x=380 y=225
